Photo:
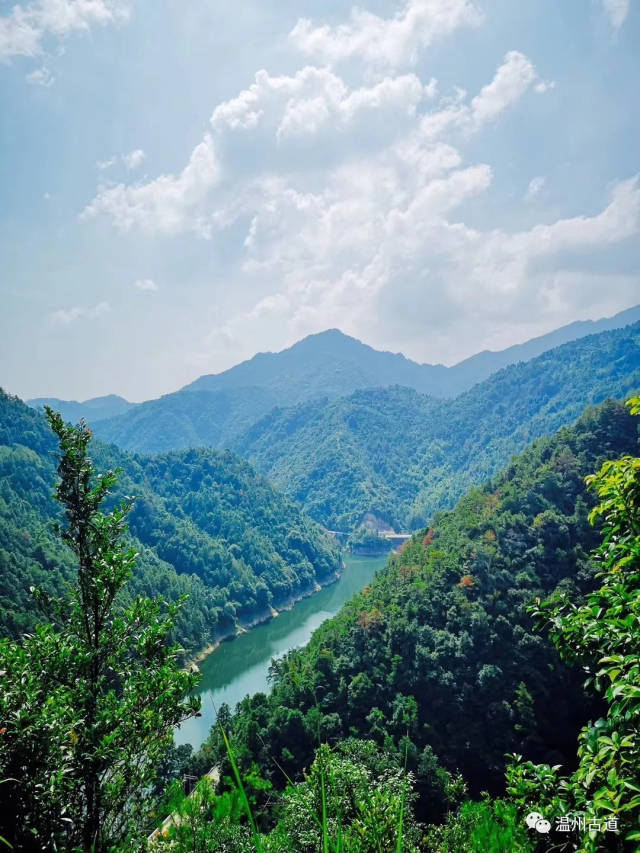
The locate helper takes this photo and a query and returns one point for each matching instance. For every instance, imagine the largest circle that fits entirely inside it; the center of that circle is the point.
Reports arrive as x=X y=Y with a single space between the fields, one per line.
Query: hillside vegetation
x=402 y=456
x=205 y=524
x=439 y=658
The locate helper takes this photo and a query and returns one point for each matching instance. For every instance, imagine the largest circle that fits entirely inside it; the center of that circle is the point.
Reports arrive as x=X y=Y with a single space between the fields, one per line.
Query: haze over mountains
x=351 y=434
x=216 y=410
x=95 y=409
x=401 y=455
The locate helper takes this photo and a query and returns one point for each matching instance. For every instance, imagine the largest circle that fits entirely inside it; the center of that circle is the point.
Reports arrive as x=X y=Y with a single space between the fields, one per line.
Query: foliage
x=424 y=662
x=480 y=827
x=88 y=708
x=354 y=799
x=204 y=524
x=603 y=636
x=402 y=456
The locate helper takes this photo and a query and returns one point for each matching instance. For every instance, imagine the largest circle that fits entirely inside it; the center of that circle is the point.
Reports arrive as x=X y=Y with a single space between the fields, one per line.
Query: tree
x=603 y=635
x=90 y=701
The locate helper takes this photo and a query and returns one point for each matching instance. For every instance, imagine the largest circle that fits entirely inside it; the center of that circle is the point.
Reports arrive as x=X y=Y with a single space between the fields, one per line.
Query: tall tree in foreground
x=89 y=703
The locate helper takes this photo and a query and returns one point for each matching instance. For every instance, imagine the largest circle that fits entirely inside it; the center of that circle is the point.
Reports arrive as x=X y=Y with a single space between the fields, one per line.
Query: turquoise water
x=240 y=666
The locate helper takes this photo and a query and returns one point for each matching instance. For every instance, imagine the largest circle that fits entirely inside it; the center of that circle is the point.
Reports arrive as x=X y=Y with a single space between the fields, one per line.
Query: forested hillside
x=402 y=456
x=439 y=656
x=184 y=420
x=205 y=523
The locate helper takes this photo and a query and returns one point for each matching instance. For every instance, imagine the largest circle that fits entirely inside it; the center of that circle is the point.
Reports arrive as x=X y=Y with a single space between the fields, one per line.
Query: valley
x=320 y=426
x=240 y=667
x=356 y=571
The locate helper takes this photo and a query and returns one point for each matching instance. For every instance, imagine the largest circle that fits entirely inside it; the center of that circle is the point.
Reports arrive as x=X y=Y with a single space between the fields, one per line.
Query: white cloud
x=301 y=104
x=134 y=158
x=131 y=160
x=400 y=271
x=617 y=10
x=65 y=316
x=24 y=28
x=511 y=81
x=388 y=42
x=278 y=111
x=146 y=284
x=41 y=77
x=535 y=186
x=353 y=200
x=169 y=204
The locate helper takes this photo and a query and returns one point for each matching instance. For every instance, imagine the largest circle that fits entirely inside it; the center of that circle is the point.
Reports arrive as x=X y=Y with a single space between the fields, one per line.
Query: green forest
x=402 y=455
x=204 y=523
x=440 y=709
x=439 y=656
x=486 y=676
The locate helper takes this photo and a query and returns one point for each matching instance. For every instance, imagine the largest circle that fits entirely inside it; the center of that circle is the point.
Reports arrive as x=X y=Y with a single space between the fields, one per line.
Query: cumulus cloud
x=167 y=205
x=66 y=316
x=535 y=186
x=134 y=158
x=354 y=201
x=147 y=285
x=617 y=10
x=388 y=42
x=511 y=81
x=431 y=278
x=279 y=111
x=23 y=30
x=315 y=97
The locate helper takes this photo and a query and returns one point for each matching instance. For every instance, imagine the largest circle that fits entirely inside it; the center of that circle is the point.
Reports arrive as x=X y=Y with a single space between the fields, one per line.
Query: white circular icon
x=543 y=825
x=533 y=818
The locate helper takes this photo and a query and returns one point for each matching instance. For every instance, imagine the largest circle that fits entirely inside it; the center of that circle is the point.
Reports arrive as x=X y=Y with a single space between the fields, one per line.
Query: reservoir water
x=240 y=666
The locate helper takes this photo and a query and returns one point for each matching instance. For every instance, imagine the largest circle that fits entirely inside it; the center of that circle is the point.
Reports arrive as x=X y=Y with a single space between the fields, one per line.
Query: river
x=240 y=666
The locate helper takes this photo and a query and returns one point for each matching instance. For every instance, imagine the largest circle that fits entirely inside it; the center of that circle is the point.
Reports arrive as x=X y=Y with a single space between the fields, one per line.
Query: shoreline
x=260 y=618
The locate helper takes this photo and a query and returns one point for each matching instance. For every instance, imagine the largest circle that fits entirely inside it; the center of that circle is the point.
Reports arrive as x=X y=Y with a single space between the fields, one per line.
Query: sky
x=186 y=183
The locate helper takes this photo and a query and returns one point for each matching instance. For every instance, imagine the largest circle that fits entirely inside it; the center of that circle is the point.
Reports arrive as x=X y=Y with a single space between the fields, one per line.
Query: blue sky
x=184 y=184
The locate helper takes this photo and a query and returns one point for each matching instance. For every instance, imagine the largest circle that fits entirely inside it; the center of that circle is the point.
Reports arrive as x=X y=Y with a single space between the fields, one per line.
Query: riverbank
x=241 y=667
x=260 y=618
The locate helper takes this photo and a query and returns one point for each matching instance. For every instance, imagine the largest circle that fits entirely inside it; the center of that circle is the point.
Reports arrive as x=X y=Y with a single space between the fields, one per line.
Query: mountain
x=214 y=410
x=95 y=409
x=332 y=364
x=204 y=523
x=466 y=373
x=400 y=456
x=326 y=365
x=438 y=655
x=329 y=364
x=187 y=419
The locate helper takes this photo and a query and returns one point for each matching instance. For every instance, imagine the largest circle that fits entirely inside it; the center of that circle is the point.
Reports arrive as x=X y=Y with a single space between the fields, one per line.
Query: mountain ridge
x=328 y=364
x=401 y=455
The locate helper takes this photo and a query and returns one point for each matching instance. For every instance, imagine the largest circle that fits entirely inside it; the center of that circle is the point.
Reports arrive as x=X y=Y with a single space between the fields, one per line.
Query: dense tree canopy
x=401 y=455
x=439 y=655
x=205 y=525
